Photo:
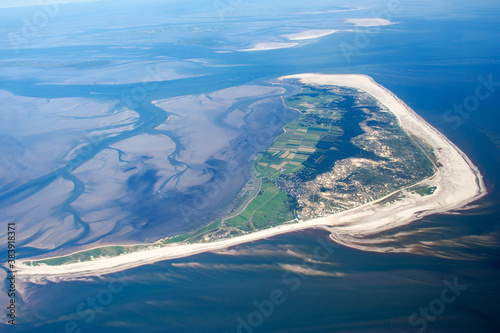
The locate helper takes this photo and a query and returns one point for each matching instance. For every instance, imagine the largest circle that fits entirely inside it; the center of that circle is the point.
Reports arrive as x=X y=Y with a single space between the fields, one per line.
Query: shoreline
x=458 y=182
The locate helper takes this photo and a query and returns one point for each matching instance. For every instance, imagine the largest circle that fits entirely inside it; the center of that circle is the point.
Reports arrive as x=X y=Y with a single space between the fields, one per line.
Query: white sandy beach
x=458 y=183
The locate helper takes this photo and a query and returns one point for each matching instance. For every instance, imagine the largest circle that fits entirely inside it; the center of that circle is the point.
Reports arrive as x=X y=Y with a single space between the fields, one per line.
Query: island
x=355 y=161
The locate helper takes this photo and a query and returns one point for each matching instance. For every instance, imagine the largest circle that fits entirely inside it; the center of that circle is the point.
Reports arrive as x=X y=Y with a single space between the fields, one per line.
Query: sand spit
x=269 y=46
x=369 y=22
x=309 y=34
x=458 y=183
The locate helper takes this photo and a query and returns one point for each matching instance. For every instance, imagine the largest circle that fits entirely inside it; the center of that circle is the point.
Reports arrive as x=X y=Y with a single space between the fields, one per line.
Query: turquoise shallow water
x=431 y=63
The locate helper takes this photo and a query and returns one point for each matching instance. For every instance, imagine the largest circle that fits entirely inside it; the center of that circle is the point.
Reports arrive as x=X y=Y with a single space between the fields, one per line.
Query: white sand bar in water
x=309 y=34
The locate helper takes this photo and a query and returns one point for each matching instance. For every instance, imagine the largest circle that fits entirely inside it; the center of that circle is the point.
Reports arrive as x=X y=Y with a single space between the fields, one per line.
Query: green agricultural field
x=270 y=206
x=292 y=148
x=287 y=155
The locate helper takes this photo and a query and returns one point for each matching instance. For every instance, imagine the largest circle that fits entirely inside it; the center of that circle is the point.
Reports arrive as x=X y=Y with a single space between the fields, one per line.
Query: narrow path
x=245 y=207
x=251 y=217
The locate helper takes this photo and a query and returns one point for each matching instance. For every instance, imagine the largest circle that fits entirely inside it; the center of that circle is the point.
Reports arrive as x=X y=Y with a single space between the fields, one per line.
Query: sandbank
x=369 y=22
x=309 y=34
x=269 y=46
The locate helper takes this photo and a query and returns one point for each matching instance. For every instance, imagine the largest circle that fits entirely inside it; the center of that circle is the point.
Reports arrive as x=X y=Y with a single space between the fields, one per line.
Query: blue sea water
x=433 y=59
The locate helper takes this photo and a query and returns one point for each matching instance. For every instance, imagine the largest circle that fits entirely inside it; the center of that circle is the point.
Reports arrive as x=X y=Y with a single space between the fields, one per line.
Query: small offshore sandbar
x=309 y=34
x=369 y=22
x=269 y=46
